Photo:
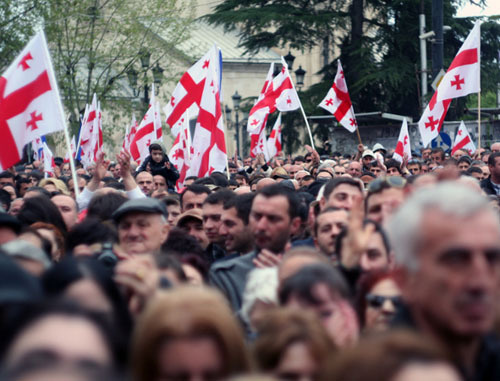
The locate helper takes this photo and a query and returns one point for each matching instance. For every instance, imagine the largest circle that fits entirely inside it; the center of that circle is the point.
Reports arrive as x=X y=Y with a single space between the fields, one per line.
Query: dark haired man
x=194 y=196
x=491 y=185
x=340 y=193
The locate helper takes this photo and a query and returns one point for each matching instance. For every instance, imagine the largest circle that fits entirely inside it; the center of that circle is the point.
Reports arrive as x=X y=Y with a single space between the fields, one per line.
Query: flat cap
x=140 y=205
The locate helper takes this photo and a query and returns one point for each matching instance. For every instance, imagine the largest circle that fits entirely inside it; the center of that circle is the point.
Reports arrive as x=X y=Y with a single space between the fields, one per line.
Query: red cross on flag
x=91 y=133
x=257 y=118
x=147 y=132
x=338 y=102
x=463 y=140
x=274 y=141
x=403 y=147
x=29 y=102
x=188 y=91
x=462 y=77
x=209 y=142
x=180 y=153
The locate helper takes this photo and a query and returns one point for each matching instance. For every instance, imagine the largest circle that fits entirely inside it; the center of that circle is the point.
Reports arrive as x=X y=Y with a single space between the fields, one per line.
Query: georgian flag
x=181 y=151
x=462 y=77
x=338 y=102
x=274 y=141
x=29 y=101
x=48 y=161
x=403 y=146
x=463 y=140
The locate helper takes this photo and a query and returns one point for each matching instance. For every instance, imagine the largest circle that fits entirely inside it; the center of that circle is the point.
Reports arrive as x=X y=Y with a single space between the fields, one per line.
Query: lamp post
x=289 y=58
x=133 y=76
x=236 y=105
x=299 y=75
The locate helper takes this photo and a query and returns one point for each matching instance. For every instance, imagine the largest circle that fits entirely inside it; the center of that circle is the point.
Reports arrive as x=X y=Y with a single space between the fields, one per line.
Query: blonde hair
x=59 y=184
x=186 y=312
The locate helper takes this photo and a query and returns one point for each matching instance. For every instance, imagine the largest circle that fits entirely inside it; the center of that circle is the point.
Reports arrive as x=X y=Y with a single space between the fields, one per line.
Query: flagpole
x=479 y=93
x=225 y=140
x=303 y=112
x=359 y=136
x=61 y=110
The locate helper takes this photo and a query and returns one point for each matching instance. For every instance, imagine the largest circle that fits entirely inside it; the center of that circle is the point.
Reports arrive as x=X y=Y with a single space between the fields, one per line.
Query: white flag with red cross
x=257 y=119
x=274 y=140
x=403 y=147
x=72 y=151
x=147 y=133
x=29 y=103
x=48 y=161
x=129 y=133
x=189 y=90
x=463 y=141
x=209 y=144
x=91 y=133
x=338 y=102
x=462 y=77
x=180 y=153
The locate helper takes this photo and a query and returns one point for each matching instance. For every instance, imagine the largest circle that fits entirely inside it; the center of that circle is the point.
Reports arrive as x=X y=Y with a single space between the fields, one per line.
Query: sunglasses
x=377 y=301
x=392 y=181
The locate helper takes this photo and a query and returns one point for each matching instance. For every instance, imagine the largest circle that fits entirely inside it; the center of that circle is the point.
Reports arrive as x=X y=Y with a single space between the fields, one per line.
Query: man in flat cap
x=142 y=225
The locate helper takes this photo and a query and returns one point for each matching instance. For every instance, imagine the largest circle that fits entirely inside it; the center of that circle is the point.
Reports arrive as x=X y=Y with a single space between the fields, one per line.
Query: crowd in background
x=331 y=266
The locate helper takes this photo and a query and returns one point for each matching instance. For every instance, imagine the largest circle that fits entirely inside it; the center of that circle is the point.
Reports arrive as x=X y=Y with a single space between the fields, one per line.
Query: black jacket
x=171 y=175
x=487 y=187
x=488 y=357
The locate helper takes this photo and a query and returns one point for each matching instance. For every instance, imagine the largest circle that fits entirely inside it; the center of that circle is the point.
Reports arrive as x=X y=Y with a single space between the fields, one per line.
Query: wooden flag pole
x=225 y=139
x=479 y=120
x=359 y=136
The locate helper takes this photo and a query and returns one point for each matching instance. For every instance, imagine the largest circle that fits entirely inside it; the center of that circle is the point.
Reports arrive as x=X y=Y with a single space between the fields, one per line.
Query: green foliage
x=94 y=43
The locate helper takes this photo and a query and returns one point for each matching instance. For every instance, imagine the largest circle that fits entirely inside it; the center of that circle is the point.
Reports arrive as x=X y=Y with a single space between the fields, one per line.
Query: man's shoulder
x=242 y=261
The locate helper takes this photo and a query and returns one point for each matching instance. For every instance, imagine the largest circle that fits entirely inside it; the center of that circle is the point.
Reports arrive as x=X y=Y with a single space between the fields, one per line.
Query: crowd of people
x=339 y=266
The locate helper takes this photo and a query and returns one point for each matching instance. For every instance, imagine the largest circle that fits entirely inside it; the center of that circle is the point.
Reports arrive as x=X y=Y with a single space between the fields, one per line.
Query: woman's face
x=297 y=363
x=381 y=305
x=190 y=359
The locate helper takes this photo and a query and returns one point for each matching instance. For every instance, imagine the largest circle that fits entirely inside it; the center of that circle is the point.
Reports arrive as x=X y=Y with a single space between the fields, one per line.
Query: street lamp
x=133 y=76
x=289 y=58
x=236 y=105
x=299 y=75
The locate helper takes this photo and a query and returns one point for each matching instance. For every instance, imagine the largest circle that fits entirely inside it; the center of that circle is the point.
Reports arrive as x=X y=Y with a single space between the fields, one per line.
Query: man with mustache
x=447 y=240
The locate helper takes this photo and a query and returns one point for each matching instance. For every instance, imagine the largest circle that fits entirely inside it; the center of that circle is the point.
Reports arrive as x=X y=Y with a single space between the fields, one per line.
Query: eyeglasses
x=377 y=301
x=392 y=181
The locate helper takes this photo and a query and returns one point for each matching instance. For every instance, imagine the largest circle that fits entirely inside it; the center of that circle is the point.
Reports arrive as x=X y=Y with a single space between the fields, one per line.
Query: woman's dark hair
x=88 y=232
x=180 y=243
x=14 y=327
x=70 y=270
x=102 y=206
x=198 y=263
x=41 y=209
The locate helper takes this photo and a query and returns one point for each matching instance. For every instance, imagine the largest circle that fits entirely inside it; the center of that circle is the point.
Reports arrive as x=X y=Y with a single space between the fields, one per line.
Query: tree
x=95 y=43
x=18 y=21
x=378 y=40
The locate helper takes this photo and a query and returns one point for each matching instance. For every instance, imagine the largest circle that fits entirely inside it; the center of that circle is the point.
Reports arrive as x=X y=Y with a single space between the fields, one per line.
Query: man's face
x=328 y=227
x=367 y=160
x=377 y=171
x=354 y=169
x=380 y=206
x=495 y=170
x=67 y=207
x=194 y=228
x=65 y=170
x=145 y=182
x=294 y=169
x=458 y=154
x=414 y=169
x=22 y=188
x=495 y=147
x=174 y=211
x=426 y=154
x=142 y=233
x=463 y=166
x=211 y=222
x=343 y=197
x=159 y=183
x=6 y=181
x=15 y=206
x=376 y=256
x=393 y=171
x=437 y=157
x=192 y=200
x=81 y=185
x=236 y=235
x=339 y=170
x=486 y=172
x=247 y=162
x=157 y=155
x=270 y=222
x=455 y=288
